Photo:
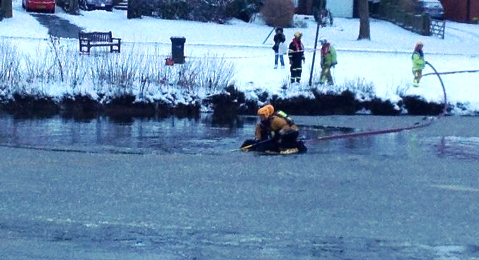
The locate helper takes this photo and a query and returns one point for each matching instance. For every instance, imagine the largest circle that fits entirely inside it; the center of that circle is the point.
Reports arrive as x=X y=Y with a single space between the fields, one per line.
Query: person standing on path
x=418 y=63
x=279 y=47
x=328 y=61
x=296 y=57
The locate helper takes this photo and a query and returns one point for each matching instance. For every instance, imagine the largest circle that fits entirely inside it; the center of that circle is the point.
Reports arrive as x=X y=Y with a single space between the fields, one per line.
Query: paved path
x=58 y=27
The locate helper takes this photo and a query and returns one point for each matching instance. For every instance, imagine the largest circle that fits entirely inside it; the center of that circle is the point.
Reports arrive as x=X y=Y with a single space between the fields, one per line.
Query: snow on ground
x=384 y=61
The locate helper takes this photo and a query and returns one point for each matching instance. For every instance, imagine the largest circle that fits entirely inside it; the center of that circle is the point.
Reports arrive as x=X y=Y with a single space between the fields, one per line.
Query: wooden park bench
x=93 y=39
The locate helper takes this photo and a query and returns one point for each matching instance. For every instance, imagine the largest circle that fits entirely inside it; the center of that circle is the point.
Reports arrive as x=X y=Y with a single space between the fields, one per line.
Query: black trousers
x=296 y=71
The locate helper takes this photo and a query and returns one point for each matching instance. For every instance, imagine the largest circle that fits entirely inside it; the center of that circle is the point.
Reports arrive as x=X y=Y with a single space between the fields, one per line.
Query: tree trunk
x=6 y=8
x=73 y=7
x=134 y=9
x=363 y=9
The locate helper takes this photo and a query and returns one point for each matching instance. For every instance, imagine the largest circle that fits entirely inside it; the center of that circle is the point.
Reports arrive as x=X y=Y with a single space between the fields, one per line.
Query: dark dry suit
x=281 y=131
x=296 y=58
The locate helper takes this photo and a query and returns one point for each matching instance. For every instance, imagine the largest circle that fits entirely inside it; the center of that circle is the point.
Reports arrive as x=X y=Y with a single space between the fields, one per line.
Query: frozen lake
x=180 y=189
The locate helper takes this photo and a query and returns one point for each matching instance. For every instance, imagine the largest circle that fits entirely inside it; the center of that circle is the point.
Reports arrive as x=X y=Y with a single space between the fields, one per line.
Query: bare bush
x=173 y=9
x=362 y=88
x=242 y=9
x=187 y=76
x=299 y=23
x=402 y=90
x=55 y=42
x=137 y=72
x=213 y=73
x=74 y=67
x=117 y=72
x=70 y=66
x=359 y=86
x=9 y=67
x=38 y=74
x=278 y=13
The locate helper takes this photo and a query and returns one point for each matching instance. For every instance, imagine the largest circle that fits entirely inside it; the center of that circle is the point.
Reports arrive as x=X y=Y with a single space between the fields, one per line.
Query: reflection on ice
x=458 y=147
x=193 y=136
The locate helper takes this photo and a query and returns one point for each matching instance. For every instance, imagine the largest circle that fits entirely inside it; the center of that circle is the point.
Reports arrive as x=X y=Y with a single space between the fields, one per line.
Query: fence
x=438 y=28
x=421 y=24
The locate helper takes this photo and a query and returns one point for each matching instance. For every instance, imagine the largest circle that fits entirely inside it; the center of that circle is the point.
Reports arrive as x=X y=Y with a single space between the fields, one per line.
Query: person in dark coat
x=279 y=47
x=296 y=57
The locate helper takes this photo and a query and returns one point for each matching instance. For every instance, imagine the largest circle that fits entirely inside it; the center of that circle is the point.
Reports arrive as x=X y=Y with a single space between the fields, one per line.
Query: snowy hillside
x=383 y=62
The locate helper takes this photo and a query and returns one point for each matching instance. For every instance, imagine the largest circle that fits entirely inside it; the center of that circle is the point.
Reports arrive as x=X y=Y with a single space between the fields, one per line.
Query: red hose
x=392 y=130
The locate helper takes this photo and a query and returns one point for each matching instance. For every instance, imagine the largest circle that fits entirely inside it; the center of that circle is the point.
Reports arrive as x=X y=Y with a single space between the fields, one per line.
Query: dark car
x=96 y=5
x=432 y=7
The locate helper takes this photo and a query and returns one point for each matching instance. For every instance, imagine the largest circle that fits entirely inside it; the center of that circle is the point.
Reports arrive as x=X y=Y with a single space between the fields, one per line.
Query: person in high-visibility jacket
x=328 y=61
x=418 y=63
x=296 y=57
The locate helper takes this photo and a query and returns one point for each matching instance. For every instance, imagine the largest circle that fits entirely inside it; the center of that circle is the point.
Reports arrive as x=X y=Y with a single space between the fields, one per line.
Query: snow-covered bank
x=383 y=62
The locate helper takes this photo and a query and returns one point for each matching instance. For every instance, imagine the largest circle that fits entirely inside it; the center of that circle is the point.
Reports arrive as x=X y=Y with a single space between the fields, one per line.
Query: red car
x=39 y=5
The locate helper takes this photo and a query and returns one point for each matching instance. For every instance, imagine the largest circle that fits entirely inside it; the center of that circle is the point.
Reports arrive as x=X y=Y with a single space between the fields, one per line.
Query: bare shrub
x=402 y=90
x=173 y=9
x=242 y=9
x=9 y=67
x=187 y=76
x=38 y=74
x=278 y=13
x=362 y=88
x=136 y=72
x=55 y=42
x=98 y=72
x=299 y=23
x=210 y=72
x=71 y=67
x=75 y=69
x=117 y=72
x=159 y=73
x=213 y=73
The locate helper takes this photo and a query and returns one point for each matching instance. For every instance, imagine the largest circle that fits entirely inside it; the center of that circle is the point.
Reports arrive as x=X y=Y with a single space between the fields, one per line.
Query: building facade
x=461 y=10
x=339 y=8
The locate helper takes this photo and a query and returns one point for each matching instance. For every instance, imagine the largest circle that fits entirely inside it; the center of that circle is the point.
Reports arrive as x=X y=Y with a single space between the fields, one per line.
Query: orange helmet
x=266 y=111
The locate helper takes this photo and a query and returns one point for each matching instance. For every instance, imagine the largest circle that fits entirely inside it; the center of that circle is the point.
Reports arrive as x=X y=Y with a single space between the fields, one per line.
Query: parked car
x=432 y=7
x=65 y=4
x=96 y=5
x=39 y=5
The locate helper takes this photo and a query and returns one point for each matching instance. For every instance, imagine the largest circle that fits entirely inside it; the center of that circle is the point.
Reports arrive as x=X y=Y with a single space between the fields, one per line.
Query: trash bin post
x=178 y=49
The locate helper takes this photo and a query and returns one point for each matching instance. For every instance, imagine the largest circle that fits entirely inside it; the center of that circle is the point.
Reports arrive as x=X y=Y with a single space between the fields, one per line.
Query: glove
x=282 y=132
x=334 y=64
x=304 y=60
